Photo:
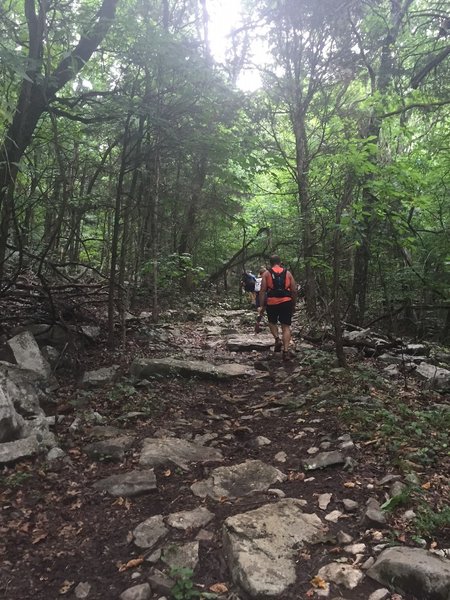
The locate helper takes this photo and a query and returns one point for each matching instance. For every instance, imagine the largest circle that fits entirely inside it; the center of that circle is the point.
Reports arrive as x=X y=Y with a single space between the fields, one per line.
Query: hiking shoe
x=278 y=345
x=286 y=356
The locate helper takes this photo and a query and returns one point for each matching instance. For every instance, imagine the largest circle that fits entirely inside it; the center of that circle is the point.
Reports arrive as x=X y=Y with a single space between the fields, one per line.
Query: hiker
x=281 y=290
x=248 y=281
x=258 y=285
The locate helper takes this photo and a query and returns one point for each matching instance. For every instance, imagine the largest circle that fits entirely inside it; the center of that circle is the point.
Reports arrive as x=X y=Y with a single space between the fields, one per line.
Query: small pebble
x=350 y=505
x=313 y=450
x=369 y=562
x=281 y=457
x=381 y=594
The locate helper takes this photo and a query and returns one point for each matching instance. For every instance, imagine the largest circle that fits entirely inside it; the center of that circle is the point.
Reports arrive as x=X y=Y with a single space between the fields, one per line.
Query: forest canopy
x=131 y=157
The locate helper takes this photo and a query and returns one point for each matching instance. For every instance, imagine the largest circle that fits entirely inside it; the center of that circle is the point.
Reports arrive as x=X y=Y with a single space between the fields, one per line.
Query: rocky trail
x=197 y=464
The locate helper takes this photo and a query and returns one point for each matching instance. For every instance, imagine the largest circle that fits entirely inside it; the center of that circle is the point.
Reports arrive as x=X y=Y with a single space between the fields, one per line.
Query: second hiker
x=278 y=295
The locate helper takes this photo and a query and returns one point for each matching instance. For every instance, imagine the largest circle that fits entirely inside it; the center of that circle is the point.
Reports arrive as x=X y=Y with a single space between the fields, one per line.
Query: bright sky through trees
x=224 y=16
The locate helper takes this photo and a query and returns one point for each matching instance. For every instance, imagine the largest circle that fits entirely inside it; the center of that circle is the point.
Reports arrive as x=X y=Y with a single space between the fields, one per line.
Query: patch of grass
x=429 y=521
x=15 y=480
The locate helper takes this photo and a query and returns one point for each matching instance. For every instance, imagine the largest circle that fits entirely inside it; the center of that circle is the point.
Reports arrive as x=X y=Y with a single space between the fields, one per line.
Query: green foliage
x=184 y=588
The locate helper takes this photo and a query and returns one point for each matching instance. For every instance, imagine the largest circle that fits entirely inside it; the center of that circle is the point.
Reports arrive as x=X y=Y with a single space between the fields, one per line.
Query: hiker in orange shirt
x=281 y=290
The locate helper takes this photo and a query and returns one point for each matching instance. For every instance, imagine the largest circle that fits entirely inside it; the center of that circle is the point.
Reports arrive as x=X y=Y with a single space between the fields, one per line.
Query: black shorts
x=280 y=312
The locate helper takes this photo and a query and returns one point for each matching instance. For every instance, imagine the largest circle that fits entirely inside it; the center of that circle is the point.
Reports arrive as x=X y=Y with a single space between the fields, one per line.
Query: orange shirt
x=269 y=284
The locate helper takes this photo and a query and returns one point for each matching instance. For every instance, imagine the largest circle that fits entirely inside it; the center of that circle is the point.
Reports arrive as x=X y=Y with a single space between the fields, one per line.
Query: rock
x=82 y=590
x=137 y=592
x=397 y=489
x=415 y=349
x=324 y=459
x=324 y=500
x=149 y=532
x=348 y=445
x=436 y=377
x=413 y=571
x=390 y=359
x=149 y=367
x=190 y=519
x=409 y=515
x=18 y=449
x=99 y=377
x=52 y=355
x=313 y=450
x=11 y=423
x=203 y=439
x=28 y=355
x=368 y=563
x=239 y=480
x=245 y=343
x=280 y=457
x=128 y=485
x=391 y=371
x=277 y=492
x=261 y=441
x=261 y=546
x=356 y=336
x=382 y=594
x=355 y=548
x=341 y=574
x=26 y=389
x=344 y=538
x=184 y=556
x=103 y=432
x=55 y=454
x=350 y=505
x=112 y=449
x=333 y=516
x=160 y=582
x=90 y=331
x=373 y=514
x=161 y=451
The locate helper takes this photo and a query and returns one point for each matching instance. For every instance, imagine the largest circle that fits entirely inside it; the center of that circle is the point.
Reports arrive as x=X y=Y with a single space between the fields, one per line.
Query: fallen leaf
x=218 y=588
x=310 y=593
x=427 y=485
x=296 y=476
x=349 y=484
x=38 y=536
x=318 y=582
x=131 y=564
x=66 y=586
x=167 y=473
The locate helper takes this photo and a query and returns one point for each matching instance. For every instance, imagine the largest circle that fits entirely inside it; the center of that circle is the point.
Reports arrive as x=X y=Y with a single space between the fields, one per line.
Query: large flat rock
x=190 y=519
x=133 y=483
x=148 y=533
x=99 y=377
x=18 y=449
x=261 y=546
x=142 y=368
x=161 y=451
x=28 y=355
x=437 y=378
x=239 y=480
x=413 y=571
x=245 y=343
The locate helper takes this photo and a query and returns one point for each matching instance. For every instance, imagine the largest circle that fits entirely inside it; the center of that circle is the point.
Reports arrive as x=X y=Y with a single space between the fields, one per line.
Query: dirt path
x=57 y=531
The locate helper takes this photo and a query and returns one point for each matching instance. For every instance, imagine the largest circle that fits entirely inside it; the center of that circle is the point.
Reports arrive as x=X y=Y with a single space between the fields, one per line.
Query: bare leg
x=273 y=330
x=286 y=336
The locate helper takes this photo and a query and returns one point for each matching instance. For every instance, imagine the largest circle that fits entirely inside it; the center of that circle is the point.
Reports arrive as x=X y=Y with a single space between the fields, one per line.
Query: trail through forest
x=292 y=480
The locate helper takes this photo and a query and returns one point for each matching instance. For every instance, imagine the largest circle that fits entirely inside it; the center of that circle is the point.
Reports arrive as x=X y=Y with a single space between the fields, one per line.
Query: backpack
x=249 y=282
x=278 y=289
